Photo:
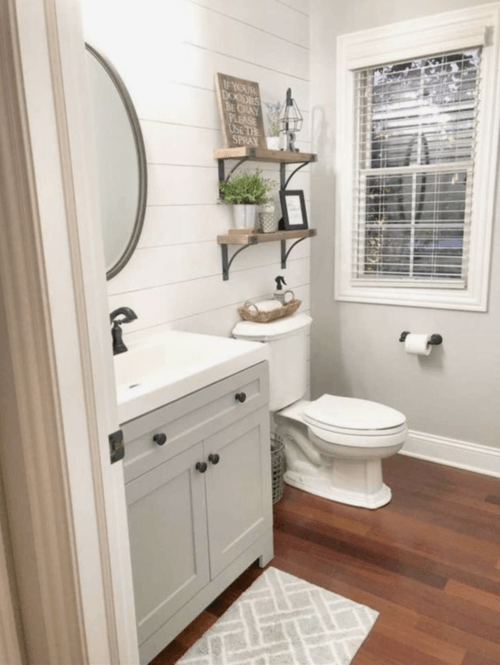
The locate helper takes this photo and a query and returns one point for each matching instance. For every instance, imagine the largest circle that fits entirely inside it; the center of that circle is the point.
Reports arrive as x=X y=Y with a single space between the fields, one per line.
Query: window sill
x=403 y=297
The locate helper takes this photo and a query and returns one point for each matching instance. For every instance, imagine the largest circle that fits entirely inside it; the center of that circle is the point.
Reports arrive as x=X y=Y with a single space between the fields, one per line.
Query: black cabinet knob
x=201 y=467
x=214 y=458
x=160 y=439
x=240 y=397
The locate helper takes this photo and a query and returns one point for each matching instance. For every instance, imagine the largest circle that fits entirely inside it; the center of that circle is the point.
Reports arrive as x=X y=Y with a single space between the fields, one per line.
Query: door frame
x=65 y=524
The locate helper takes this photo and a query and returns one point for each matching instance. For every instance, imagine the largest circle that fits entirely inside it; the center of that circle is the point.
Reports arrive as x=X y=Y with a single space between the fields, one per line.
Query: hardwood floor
x=429 y=562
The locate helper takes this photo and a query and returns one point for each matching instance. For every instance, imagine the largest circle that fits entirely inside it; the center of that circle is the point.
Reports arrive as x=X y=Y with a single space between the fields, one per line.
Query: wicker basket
x=249 y=312
x=277 y=466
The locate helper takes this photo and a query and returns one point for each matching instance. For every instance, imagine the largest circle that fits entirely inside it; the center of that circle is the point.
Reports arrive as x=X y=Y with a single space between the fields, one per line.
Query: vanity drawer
x=189 y=420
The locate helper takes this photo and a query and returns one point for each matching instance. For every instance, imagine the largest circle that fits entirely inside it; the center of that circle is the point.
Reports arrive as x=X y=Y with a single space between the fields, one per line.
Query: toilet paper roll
x=418 y=344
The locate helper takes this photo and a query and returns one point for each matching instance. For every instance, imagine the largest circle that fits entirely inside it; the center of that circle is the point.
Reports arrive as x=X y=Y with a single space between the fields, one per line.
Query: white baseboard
x=453 y=452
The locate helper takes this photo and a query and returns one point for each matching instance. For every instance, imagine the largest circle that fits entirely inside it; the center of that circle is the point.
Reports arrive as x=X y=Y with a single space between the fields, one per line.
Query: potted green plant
x=273 y=125
x=245 y=191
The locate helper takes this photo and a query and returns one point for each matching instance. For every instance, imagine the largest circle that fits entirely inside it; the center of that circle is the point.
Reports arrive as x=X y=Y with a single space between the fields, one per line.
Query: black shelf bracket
x=285 y=254
x=222 y=167
x=283 y=179
x=226 y=261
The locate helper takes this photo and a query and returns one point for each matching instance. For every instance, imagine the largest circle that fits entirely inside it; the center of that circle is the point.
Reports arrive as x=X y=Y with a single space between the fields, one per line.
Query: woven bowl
x=249 y=313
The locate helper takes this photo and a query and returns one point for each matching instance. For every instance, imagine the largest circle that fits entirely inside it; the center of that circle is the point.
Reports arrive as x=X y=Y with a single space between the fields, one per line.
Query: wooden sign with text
x=241 y=112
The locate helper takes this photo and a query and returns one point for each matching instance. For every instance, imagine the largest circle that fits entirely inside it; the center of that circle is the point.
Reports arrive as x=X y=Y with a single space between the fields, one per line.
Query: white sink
x=161 y=368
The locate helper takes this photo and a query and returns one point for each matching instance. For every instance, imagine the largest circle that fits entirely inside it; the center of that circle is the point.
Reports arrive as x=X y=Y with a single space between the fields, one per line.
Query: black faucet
x=116 y=331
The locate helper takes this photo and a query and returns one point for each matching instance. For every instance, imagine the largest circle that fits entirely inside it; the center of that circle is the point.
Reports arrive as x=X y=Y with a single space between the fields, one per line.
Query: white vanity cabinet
x=199 y=503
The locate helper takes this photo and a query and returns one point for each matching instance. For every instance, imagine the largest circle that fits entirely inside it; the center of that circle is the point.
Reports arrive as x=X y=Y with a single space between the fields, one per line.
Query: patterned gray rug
x=283 y=620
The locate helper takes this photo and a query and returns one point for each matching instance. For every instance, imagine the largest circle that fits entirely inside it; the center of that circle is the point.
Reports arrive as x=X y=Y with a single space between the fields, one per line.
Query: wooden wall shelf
x=244 y=240
x=281 y=157
x=235 y=238
x=259 y=155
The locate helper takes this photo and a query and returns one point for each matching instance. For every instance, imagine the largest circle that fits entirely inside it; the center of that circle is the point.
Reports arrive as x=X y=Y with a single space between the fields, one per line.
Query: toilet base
x=349 y=473
x=314 y=485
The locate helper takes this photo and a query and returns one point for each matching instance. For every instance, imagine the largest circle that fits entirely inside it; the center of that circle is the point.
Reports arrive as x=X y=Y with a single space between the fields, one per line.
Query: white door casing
x=65 y=503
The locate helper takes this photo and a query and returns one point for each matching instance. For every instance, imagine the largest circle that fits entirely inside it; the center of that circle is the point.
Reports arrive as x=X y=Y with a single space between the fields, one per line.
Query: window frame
x=407 y=40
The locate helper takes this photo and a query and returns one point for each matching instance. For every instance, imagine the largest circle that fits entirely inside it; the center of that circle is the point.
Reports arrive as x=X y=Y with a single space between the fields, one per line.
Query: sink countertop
x=161 y=368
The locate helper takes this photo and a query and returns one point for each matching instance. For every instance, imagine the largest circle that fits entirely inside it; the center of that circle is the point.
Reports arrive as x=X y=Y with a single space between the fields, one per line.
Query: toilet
x=334 y=446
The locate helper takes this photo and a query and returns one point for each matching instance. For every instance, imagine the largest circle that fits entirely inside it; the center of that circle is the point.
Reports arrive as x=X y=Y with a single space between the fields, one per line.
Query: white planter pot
x=244 y=215
x=273 y=142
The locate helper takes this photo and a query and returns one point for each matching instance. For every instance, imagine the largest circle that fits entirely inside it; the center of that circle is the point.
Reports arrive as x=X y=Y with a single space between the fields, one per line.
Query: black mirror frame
x=141 y=160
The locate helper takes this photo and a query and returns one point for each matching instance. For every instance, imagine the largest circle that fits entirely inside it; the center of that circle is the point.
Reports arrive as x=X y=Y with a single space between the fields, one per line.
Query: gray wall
x=455 y=392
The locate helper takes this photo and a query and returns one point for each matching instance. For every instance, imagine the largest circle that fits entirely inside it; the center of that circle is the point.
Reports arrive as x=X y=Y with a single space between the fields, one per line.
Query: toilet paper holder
x=435 y=339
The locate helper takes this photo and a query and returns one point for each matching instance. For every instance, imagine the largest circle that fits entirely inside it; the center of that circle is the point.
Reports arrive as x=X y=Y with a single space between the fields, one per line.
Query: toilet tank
x=288 y=342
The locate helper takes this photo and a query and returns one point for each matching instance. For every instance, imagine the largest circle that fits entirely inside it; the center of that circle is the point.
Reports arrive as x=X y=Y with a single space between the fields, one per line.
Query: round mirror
x=121 y=162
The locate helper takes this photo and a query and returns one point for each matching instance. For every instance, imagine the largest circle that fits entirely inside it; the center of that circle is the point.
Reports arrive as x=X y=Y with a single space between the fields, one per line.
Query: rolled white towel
x=268 y=305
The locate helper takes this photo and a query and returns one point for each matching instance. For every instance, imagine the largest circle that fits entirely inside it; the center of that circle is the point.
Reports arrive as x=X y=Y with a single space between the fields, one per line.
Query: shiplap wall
x=167 y=52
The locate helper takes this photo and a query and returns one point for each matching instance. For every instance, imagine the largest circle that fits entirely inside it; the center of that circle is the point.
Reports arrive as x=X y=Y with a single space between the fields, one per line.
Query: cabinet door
x=239 y=496
x=168 y=538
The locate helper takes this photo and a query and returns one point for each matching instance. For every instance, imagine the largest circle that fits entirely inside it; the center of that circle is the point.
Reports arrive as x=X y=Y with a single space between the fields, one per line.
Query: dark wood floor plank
x=295 y=498
x=424 y=599
x=366 y=657
x=383 y=557
x=444 y=630
x=420 y=536
x=406 y=506
x=390 y=555
x=171 y=654
x=448 y=515
x=185 y=640
x=459 y=550
x=476 y=658
x=429 y=562
x=379 y=581
x=458 y=498
x=476 y=595
x=389 y=651
x=402 y=469
x=427 y=644
x=325 y=515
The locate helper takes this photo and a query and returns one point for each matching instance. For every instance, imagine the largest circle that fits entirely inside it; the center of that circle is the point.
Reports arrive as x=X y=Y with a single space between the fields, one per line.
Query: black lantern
x=291 y=121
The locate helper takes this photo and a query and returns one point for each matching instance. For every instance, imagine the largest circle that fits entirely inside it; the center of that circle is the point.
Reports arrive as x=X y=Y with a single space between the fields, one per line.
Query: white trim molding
x=462 y=29
x=71 y=596
x=453 y=452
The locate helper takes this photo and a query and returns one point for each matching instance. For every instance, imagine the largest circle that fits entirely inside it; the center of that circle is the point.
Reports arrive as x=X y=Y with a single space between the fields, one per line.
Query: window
x=416 y=137
x=415 y=216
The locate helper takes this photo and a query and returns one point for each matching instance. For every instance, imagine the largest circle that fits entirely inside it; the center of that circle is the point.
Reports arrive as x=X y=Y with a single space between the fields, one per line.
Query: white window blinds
x=415 y=144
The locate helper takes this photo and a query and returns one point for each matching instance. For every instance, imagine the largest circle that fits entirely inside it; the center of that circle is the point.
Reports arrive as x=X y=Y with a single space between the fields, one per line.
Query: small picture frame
x=293 y=208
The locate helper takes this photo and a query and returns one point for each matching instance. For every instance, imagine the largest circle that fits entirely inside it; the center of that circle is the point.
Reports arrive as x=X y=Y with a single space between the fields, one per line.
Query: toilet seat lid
x=348 y=413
